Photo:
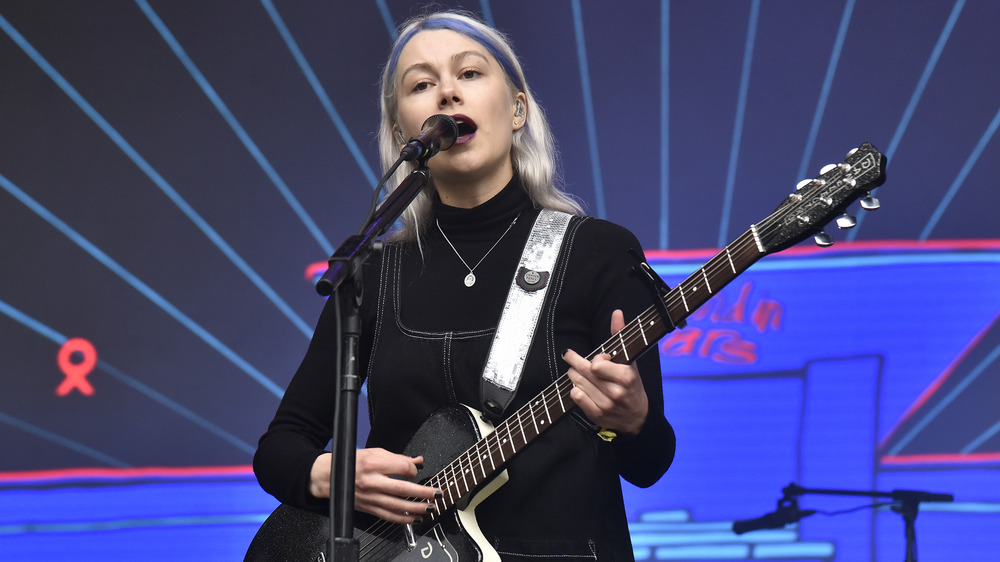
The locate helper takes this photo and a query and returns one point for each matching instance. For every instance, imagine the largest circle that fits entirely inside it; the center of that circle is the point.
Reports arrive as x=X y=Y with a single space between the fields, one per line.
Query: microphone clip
x=788 y=512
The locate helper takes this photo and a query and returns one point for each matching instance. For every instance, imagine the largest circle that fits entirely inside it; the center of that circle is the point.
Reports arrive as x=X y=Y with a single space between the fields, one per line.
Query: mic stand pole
x=906 y=503
x=342 y=280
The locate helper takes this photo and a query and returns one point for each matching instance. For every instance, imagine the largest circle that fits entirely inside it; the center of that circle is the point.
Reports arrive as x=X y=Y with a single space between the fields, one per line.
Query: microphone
x=917 y=496
x=439 y=133
x=774 y=520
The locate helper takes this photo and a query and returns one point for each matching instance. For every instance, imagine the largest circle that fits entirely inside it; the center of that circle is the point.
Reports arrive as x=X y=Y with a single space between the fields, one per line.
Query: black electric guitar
x=469 y=469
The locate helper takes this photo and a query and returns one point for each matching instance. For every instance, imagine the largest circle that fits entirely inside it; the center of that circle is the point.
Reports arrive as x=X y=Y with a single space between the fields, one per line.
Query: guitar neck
x=484 y=459
x=680 y=302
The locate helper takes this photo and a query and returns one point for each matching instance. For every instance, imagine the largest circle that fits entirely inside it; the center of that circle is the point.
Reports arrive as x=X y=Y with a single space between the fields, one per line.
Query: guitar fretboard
x=483 y=460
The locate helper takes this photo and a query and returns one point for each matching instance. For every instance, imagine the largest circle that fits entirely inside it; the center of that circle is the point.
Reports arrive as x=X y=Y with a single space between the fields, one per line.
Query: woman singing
x=432 y=302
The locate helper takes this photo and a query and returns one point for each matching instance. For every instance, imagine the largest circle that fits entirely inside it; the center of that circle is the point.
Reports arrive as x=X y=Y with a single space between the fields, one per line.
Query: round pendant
x=470 y=279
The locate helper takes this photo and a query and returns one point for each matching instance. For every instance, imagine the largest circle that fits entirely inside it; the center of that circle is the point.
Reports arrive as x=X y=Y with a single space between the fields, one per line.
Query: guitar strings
x=770 y=225
x=493 y=444
x=558 y=390
x=631 y=334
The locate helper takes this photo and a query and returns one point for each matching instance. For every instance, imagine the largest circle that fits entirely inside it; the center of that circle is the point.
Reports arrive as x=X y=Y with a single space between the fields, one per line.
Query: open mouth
x=466 y=128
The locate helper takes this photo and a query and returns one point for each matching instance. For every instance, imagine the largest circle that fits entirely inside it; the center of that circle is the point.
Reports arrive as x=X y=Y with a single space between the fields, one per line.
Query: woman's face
x=441 y=71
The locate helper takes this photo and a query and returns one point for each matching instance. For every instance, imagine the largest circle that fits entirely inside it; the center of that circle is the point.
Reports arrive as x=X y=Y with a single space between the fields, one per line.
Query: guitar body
x=290 y=533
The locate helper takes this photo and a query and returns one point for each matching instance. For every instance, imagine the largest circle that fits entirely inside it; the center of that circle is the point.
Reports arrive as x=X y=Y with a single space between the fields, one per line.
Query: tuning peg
x=870 y=203
x=823 y=240
x=826 y=168
x=846 y=221
x=851 y=152
x=802 y=184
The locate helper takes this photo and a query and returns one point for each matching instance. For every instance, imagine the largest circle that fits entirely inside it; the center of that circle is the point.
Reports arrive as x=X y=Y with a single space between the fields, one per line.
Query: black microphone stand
x=342 y=281
x=906 y=503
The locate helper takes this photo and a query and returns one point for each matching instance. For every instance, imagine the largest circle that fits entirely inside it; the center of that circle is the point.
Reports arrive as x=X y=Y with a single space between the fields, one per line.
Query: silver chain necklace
x=470 y=279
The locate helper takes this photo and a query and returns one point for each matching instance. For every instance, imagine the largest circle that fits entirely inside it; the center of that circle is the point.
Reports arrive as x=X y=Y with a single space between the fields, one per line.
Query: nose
x=449 y=94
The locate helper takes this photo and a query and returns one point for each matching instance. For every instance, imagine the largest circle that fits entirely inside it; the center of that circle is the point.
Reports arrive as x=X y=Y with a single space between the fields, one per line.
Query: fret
x=680 y=289
x=643 y=334
x=447 y=490
x=470 y=471
x=731 y=266
x=462 y=470
x=433 y=482
x=455 y=471
x=520 y=425
x=624 y=349
x=503 y=459
x=482 y=465
x=548 y=415
x=707 y=284
x=756 y=238
x=531 y=414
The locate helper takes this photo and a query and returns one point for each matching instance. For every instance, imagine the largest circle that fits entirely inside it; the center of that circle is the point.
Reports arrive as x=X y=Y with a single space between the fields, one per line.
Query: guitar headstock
x=818 y=201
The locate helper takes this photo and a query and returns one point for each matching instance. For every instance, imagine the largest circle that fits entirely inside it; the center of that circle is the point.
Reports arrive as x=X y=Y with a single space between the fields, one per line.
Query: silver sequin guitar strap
x=519 y=319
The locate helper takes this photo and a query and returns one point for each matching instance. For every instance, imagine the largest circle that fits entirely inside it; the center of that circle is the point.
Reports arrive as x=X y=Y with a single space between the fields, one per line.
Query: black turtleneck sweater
x=424 y=344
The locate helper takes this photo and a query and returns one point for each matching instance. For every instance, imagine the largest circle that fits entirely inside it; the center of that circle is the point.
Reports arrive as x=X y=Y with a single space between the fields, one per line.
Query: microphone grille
x=447 y=128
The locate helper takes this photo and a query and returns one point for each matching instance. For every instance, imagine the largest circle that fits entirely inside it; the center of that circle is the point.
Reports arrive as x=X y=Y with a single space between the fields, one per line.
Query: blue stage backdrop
x=172 y=172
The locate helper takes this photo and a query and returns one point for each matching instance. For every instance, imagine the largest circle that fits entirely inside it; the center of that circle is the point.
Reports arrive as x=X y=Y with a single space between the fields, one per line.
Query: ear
x=398 y=135
x=520 y=110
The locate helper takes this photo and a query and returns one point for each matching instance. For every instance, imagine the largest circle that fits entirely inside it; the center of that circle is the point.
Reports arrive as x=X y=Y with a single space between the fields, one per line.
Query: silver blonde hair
x=533 y=152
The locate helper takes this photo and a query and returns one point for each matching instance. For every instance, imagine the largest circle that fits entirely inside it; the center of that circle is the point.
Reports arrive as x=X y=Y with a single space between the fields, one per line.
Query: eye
x=470 y=73
x=421 y=86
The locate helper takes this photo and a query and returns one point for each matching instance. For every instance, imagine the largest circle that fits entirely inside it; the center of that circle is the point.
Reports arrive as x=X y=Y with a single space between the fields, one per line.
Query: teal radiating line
x=61 y=441
x=390 y=25
x=487 y=12
x=177 y=408
x=946 y=401
x=31 y=323
x=734 y=150
x=918 y=92
x=588 y=109
x=824 y=94
x=664 y=124
x=962 y=174
x=925 y=77
x=235 y=125
x=156 y=178
x=331 y=111
x=986 y=436
x=60 y=339
x=138 y=285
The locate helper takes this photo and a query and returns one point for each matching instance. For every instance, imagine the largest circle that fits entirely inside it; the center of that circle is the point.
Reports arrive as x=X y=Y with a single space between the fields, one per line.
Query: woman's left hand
x=610 y=394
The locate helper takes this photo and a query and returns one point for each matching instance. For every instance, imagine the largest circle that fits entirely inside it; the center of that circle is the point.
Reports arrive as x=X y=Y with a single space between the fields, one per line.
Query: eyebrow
x=457 y=57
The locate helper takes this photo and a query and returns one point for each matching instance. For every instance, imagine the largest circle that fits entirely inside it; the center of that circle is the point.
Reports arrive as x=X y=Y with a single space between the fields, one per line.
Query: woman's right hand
x=375 y=492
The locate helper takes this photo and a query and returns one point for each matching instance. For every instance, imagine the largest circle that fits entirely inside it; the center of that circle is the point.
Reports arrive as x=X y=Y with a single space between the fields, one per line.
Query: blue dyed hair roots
x=462 y=27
